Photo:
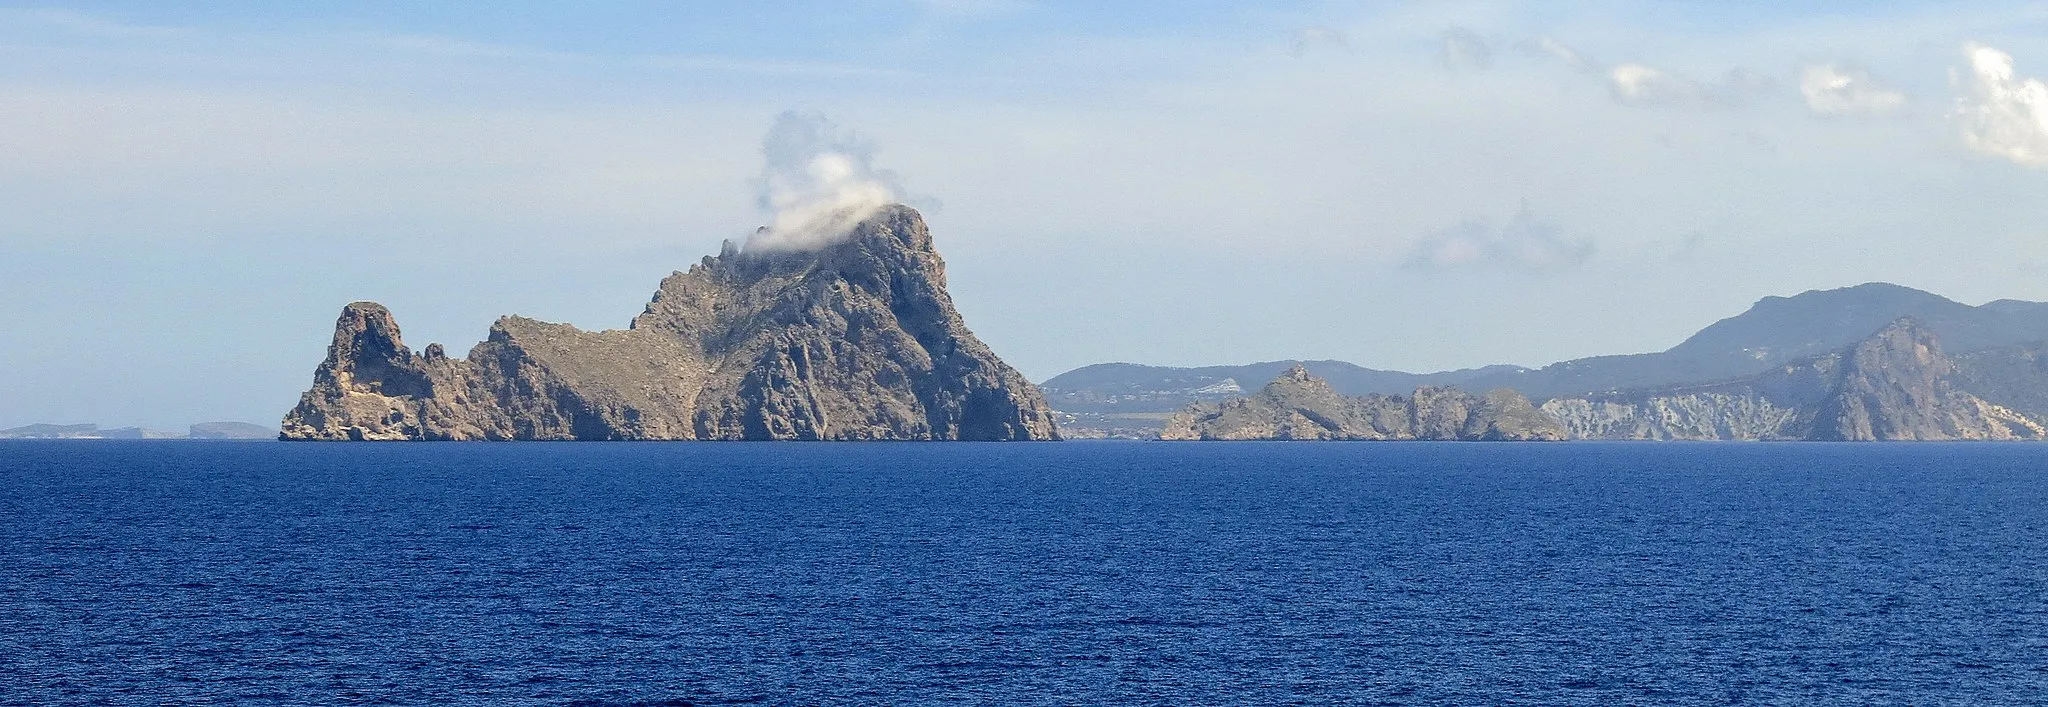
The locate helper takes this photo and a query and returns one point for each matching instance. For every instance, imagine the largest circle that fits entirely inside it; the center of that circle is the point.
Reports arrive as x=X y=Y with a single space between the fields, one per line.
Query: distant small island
x=203 y=430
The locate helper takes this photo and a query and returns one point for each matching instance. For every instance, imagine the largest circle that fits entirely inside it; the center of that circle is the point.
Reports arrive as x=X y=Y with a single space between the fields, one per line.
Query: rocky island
x=1299 y=406
x=855 y=339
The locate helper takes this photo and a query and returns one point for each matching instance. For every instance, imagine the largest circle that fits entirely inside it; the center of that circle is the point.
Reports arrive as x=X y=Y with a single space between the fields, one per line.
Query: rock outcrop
x=1300 y=406
x=1896 y=384
x=856 y=340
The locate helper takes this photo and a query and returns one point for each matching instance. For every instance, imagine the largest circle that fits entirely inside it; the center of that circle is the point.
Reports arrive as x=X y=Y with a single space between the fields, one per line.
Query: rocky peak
x=1298 y=374
x=1894 y=385
x=369 y=352
x=1904 y=347
x=1297 y=382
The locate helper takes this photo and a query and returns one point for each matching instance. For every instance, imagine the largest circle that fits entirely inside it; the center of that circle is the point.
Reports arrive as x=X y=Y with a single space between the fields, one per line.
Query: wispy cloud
x=1830 y=89
x=1636 y=84
x=1465 y=49
x=2001 y=113
x=1564 y=53
x=1309 y=39
x=1523 y=243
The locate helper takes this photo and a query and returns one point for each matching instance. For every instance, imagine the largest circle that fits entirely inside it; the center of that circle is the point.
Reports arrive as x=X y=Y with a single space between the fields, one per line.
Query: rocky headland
x=853 y=340
x=1895 y=384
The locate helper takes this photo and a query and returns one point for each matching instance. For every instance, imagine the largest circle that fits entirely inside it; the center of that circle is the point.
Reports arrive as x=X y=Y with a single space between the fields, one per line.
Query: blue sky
x=188 y=194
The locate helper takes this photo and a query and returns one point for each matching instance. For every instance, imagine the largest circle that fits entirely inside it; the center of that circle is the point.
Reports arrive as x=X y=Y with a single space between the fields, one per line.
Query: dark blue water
x=1404 y=573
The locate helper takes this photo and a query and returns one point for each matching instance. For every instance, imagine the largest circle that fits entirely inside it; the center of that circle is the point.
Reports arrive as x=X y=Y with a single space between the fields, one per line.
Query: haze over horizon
x=192 y=194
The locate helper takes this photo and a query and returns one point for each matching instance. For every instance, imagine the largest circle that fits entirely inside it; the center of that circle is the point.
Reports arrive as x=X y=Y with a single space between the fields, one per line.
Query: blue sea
x=1023 y=574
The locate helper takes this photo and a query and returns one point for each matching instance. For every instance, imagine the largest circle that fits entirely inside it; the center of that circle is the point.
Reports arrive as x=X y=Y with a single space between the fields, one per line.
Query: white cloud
x=2002 y=114
x=1523 y=243
x=1836 y=90
x=817 y=183
x=1636 y=84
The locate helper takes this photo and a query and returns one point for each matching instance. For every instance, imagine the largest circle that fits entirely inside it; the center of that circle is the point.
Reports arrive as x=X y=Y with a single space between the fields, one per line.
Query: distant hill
x=1771 y=333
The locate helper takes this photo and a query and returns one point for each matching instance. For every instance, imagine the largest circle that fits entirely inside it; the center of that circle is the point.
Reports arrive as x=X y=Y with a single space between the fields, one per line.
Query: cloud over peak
x=817 y=183
x=2000 y=113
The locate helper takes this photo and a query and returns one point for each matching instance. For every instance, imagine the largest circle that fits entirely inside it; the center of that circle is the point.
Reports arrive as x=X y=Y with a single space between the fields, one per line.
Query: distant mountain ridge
x=1771 y=333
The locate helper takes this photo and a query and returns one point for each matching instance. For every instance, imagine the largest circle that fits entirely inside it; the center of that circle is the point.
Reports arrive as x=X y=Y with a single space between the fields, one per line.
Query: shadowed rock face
x=854 y=341
x=1300 y=406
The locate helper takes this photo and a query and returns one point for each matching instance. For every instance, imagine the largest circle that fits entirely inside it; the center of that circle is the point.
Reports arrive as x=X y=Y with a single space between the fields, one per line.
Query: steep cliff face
x=1896 y=384
x=857 y=340
x=1300 y=406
